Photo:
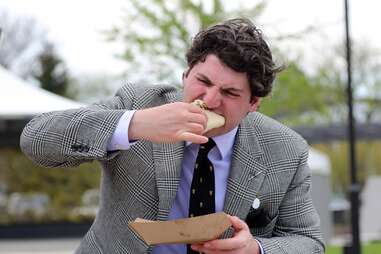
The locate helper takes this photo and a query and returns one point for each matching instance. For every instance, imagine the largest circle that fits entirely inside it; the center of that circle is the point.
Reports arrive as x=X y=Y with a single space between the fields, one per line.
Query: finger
x=205 y=119
x=202 y=249
x=195 y=109
x=195 y=128
x=194 y=138
x=200 y=118
x=225 y=244
x=208 y=249
x=237 y=241
x=237 y=223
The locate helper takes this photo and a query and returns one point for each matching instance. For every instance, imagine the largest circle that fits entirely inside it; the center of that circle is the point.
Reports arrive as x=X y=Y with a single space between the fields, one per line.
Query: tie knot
x=205 y=148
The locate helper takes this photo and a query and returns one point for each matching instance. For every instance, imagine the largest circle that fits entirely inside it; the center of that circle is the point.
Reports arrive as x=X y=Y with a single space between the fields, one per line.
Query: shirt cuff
x=119 y=139
x=261 y=251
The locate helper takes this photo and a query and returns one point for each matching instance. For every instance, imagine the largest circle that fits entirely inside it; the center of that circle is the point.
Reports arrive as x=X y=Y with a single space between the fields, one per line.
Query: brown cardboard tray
x=190 y=230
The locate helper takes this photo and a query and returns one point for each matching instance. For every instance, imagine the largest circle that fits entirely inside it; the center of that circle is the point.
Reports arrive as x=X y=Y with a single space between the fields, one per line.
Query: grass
x=369 y=248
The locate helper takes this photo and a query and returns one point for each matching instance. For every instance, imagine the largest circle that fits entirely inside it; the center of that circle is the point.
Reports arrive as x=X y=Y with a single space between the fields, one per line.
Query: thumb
x=237 y=223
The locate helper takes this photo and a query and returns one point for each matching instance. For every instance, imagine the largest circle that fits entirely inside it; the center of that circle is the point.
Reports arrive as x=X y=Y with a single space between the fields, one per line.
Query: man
x=148 y=141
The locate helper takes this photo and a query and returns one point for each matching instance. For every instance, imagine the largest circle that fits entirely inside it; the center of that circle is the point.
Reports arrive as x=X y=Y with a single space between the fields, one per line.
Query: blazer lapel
x=246 y=172
x=168 y=160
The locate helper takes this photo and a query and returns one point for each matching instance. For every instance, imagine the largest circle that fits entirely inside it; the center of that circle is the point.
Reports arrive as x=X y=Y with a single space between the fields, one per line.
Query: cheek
x=188 y=92
x=193 y=91
x=235 y=113
x=231 y=114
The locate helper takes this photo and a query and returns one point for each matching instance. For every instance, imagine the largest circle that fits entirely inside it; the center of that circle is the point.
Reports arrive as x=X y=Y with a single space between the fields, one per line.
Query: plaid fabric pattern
x=269 y=162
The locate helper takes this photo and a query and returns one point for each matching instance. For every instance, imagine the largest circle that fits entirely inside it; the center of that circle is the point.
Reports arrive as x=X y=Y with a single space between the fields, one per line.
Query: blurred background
x=58 y=55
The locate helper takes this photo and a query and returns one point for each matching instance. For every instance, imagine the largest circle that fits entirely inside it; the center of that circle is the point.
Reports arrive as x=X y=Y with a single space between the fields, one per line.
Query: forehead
x=219 y=73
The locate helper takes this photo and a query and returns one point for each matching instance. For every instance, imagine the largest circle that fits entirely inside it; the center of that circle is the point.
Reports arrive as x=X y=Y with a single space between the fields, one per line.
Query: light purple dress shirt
x=220 y=157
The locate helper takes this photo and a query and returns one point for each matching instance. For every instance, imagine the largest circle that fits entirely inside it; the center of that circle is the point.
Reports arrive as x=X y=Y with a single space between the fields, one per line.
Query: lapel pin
x=256 y=203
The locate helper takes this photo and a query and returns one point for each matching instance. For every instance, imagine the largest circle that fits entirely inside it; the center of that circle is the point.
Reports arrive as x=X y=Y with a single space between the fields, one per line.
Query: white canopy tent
x=20 y=100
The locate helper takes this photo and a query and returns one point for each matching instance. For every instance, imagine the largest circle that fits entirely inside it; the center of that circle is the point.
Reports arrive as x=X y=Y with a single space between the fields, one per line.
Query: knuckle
x=184 y=115
x=199 y=128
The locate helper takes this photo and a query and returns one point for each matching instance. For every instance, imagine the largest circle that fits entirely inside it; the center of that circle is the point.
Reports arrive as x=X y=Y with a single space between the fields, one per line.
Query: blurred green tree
x=26 y=51
x=161 y=31
x=366 y=80
x=93 y=88
x=296 y=98
x=157 y=33
x=366 y=83
x=51 y=72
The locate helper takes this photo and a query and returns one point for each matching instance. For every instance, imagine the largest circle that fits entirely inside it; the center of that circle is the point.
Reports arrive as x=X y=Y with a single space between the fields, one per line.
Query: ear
x=186 y=73
x=254 y=104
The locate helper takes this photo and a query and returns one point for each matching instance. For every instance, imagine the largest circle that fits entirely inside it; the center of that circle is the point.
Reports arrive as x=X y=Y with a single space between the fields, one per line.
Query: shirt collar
x=223 y=142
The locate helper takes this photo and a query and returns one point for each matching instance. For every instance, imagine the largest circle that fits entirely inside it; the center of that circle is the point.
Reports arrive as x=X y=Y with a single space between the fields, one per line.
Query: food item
x=188 y=230
x=214 y=120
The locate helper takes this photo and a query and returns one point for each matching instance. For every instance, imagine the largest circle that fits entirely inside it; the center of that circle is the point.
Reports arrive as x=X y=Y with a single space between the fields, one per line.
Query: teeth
x=214 y=120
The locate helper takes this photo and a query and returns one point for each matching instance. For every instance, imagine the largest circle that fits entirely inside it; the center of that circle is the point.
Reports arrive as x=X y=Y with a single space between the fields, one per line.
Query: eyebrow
x=207 y=80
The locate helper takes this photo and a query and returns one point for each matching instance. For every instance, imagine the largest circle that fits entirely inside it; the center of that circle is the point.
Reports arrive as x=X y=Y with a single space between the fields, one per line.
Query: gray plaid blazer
x=269 y=162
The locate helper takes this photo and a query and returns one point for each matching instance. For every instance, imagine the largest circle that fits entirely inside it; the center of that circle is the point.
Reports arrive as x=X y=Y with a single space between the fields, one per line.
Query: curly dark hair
x=239 y=44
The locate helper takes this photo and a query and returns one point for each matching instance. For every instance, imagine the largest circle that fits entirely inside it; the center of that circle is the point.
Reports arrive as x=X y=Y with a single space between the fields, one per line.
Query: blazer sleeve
x=70 y=137
x=297 y=229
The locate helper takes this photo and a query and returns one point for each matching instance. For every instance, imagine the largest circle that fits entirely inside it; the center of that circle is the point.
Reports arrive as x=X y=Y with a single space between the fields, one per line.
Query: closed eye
x=230 y=93
x=204 y=81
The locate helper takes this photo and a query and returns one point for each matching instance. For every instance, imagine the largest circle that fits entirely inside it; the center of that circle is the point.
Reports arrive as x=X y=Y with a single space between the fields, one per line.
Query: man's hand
x=169 y=123
x=242 y=241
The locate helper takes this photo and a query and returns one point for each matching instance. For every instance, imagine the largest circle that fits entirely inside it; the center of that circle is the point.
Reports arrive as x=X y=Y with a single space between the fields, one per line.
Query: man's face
x=225 y=92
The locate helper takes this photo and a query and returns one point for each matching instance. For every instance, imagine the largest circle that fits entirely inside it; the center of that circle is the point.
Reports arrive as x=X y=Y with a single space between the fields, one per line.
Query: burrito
x=214 y=120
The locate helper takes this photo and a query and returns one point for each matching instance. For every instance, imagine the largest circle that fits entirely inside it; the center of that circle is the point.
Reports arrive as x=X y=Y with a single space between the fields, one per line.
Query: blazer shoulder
x=268 y=129
x=142 y=88
x=148 y=95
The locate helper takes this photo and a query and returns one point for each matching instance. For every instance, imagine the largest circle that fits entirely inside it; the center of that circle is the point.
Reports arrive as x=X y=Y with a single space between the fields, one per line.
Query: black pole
x=354 y=187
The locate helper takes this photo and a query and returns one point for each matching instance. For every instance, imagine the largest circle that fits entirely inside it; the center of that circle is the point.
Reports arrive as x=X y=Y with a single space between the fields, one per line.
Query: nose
x=212 y=98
